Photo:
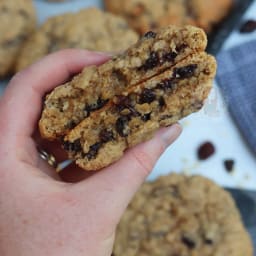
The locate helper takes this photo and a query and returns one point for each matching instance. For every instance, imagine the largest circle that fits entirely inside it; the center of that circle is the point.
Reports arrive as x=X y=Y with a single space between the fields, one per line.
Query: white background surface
x=213 y=124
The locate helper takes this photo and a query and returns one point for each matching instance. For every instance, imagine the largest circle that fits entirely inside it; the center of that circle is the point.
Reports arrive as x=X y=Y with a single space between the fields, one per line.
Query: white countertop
x=213 y=124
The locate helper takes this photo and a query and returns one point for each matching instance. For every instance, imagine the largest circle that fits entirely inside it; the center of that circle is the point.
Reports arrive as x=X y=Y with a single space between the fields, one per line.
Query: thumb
x=112 y=189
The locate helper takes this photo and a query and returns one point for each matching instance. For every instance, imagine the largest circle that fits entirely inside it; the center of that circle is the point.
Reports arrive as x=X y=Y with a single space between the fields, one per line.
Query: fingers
x=21 y=104
x=114 y=187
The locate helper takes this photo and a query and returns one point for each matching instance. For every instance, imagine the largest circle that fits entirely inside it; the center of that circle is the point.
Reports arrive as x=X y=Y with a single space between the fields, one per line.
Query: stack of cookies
x=178 y=215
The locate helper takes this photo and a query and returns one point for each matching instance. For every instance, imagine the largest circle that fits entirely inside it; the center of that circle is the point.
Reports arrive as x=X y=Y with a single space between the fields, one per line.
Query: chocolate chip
x=165 y=84
x=229 y=165
x=208 y=241
x=170 y=57
x=106 y=136
x=147 y=96
x=150 y=34
x=180 y=47
x=72 y=146
x=206 y=150
x=146 y=117
x=95 y=106
x=248 y=27
x=93 y=151
x=161 y=102
x=188 y=242
x=185 y=72
x=151 y=62
x=121 y=125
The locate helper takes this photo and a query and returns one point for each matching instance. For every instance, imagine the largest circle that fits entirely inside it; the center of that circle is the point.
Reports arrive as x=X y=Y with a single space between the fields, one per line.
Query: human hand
x=39 y=213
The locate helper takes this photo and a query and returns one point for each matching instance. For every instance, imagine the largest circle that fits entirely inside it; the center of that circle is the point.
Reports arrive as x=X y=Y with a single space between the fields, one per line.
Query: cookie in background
x=89 y=28
x=182 y=215
x=17 y=21
x=144 y=15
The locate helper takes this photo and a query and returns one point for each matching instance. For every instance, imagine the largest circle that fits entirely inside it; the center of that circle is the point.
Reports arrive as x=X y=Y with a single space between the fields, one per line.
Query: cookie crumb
x=205 y=151
x=248 y=27
x=229 y=165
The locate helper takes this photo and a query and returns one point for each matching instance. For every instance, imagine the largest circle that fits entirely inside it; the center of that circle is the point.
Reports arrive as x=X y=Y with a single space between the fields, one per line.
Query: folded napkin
x=236 y=77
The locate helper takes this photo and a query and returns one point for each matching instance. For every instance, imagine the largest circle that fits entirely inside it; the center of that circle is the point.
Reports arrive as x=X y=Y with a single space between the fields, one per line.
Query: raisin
x=170 y=57
x=72 y=146
x=151 y=62
x=205 y=151
x=147 y=96
x=121 y=124
x=248 y=27
x=93 y=151
x=150 y=34
x=161 y=102
x=229 y=165
x=188 y=242
x=185 y=72
x=146 y=117
x=165 y=84
x=106 y=136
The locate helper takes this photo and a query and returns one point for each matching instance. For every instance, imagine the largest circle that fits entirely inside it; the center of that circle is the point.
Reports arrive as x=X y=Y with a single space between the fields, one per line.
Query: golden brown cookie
x=18 y=20
x=127 y=120
x=69 y=104
x=89 y=29
x=185 y=216
x=144 y=15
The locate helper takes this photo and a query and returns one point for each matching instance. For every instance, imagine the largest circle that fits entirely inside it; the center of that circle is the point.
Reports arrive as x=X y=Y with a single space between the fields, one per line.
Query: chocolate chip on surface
x=121 y=126
x=188 y=242
x=147 y=96
x=151 y=62
x=106 y=136
x=93 y=151
x=229 y=165
x=170 y=57
x=185 y=72
x=248 y=26
x=205 y=151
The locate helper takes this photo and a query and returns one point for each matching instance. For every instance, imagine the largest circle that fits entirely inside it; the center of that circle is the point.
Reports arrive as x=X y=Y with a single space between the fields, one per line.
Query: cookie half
x=135 y=116
x=69 y=104
x=18 y=20
x=185 y=216
x=89 y=29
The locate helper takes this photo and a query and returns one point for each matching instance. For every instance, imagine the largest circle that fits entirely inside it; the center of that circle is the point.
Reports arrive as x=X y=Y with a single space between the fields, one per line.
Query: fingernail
x=170 y=134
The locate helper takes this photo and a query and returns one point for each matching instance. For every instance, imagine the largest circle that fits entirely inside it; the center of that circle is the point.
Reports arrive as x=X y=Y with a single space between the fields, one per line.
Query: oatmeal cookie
x=69 y=104
x=185 y=216
x=18 y=20
x=89 y=29
x=130 y=119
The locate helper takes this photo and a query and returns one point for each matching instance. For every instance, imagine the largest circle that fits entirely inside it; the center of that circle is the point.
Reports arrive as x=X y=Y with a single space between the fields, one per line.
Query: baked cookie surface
x=145 y=15
x=89 y=29
x=185 y=216
x=107 y=109
x=69 y=104
x=18 y=20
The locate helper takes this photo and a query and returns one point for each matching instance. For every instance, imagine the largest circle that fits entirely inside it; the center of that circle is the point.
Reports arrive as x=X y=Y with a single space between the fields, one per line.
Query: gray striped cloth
x=236 y=77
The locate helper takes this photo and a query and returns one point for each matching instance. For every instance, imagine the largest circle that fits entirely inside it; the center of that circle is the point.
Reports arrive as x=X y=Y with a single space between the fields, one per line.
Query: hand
x=39 y=213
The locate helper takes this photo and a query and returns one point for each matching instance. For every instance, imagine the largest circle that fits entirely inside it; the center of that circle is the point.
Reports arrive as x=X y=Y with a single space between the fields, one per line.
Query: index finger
x=21 y=104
